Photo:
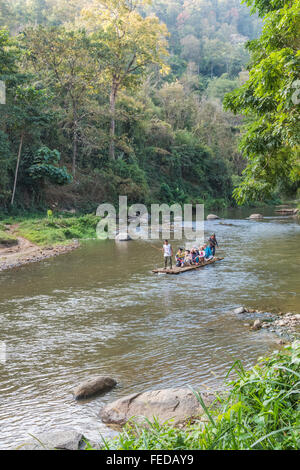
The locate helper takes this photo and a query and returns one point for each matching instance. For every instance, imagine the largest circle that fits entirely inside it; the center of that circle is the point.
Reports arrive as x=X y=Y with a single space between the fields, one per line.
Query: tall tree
x=26 y=116
x=66 y=63
x=270 y=101
x=134 y=42
x=9 y=54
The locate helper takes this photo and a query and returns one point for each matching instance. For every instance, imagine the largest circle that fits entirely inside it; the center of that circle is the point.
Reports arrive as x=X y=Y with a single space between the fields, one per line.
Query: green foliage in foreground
x=52 y=230
x=261 y=412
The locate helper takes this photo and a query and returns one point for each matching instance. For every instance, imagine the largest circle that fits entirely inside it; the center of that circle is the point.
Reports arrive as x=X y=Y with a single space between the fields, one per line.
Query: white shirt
x=167 y=250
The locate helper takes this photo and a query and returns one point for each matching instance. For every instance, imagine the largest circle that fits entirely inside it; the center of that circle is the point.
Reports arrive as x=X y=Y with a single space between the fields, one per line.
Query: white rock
x=212 y=217
x=239 y=310
x=122 y=237
x=257 y=324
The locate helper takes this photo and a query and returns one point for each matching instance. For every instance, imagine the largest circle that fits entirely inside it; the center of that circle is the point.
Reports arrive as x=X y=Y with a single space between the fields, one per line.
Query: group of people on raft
x=195 y=256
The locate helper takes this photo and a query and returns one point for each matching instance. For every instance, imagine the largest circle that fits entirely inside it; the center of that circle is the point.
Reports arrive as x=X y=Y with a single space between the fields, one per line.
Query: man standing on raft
x=168 y=253
x=213 y=243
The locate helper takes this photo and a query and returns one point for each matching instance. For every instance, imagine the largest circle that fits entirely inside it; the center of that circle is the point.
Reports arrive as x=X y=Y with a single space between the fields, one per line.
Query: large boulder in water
x=256 y=216
x=176 y=404
x=93 y=386
x=60 y=440
x=212 y=217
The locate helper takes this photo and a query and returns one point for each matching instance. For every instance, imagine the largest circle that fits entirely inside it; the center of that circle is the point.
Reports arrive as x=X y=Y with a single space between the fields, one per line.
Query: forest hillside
x=107 y=97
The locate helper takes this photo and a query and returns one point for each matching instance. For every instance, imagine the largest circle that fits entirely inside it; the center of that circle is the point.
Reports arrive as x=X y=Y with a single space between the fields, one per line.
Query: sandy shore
x=26 y=252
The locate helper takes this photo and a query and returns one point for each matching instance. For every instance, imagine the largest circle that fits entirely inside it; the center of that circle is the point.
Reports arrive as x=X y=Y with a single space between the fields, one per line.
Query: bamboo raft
x=185 y=268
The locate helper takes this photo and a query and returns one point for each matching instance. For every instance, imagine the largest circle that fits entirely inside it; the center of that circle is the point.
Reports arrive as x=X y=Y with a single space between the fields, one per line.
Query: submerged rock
x=176 y=404
x=256 y=216
x=257 y=325
x=281 y=342
x=212 y=217
x=93 y=386
x=61 y=440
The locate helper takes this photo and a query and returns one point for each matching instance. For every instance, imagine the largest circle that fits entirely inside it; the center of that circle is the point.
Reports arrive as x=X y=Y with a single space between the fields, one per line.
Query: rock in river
x=239 y=310
x=212 y=217
x=177 y=404
x=257 y=325
x=256 y=216
x=93 y=386
x=61 y=440
x=122 y=237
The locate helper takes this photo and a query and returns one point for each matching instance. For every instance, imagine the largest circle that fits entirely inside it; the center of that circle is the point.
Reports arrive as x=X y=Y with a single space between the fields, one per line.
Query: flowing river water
x=100 y=310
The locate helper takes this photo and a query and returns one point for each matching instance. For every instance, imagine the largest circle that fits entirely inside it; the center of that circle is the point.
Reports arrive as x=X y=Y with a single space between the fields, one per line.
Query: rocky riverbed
x=284 y=325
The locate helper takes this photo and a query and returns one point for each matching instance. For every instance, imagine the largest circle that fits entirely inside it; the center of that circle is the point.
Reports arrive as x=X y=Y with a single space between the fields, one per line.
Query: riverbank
x=28 y=240
x=259 y=412
x=26 y=252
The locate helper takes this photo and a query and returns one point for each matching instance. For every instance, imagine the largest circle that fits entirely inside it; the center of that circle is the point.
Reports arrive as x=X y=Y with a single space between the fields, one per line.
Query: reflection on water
x=100 y=310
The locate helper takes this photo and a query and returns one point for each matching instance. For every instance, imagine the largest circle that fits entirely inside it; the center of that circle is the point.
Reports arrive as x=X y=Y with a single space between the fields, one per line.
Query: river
x=100 y=310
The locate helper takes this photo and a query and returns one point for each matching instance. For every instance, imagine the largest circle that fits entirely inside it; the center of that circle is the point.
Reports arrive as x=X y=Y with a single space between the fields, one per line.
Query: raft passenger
x=188 y=258
x=208 y=253
x=201 y=254
x=195 y=255
x=179 y=258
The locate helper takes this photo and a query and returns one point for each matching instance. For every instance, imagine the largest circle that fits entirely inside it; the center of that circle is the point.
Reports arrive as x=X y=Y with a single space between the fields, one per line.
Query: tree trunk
x=74 y=158
x=75 y=140
x=17 y=169
x=113 y=95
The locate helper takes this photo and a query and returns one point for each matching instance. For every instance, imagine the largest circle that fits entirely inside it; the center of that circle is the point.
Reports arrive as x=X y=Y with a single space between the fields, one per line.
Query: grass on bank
x=50 y=231
x=6 y=239
x=261 y=411
x=55 y=230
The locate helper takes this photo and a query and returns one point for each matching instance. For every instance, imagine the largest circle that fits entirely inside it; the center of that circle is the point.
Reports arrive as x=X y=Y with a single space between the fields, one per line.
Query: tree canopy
x=270 y=100
x=129 y=93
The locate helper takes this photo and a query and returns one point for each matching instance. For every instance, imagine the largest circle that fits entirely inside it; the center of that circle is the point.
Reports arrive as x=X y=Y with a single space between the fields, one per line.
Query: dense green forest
x=110 y=97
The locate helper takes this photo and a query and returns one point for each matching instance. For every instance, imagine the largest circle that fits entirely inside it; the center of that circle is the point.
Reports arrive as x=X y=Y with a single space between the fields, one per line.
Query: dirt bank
x=26 y=252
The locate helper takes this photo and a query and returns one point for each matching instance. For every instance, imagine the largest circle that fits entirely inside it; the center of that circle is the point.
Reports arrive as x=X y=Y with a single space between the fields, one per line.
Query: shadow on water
x=100 y=310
